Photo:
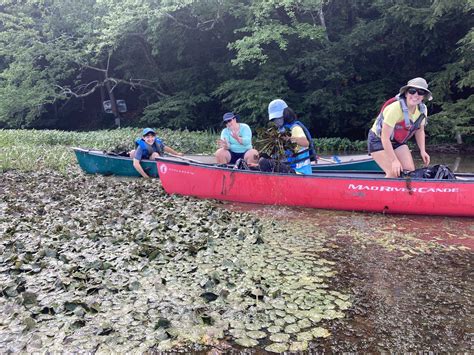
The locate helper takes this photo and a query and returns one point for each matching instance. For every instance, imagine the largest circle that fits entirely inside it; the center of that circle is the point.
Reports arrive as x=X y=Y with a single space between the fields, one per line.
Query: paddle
x=184 y=158
x=335 y=159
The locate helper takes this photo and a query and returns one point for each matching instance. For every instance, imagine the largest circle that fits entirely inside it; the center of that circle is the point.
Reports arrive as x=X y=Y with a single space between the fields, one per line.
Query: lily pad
x=247 y=342
x=320 y=332
x=279 y=337
x=277 y=347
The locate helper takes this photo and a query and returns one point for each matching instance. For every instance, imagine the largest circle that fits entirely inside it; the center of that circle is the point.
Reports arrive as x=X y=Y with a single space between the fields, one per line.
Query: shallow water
x=461 y=163
x=410 y=277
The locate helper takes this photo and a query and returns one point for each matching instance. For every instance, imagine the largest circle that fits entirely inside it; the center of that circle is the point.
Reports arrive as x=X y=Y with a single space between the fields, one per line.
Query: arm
x=138 y=167
x=172 y=151
x=223 y=142
x=388 y=149
x=298 y=137
x=420 y=138
x=245 y=137
x=301 y=141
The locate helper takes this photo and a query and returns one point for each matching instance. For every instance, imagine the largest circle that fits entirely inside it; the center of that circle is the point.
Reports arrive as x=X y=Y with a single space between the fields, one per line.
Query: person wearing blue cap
x=285 y=119
x=149 y=147
x=235 y=142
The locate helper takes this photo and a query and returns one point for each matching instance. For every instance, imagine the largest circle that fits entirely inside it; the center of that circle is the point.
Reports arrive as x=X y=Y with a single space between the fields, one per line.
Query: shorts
x=235 y=156
x=374 y=143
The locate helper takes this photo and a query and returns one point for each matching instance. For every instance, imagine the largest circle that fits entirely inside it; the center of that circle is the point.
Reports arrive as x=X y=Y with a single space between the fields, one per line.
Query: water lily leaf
x=305 y=336
x=209 y=296
x=343 y=305
x=274 y=329
x=292 y=328
x=304 y=323
x=279 y=337
x=29 y=298
x=247 y=342
x=298 y=346
x=256 y=334
x=253 y=326
x=277 y=347
x=320 y=332
x=162 y=323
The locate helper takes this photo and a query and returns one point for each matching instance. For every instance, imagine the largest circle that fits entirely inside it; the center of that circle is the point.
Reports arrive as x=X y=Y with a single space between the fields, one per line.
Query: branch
x=68 y=92
x=89 y=88
x=140 y=83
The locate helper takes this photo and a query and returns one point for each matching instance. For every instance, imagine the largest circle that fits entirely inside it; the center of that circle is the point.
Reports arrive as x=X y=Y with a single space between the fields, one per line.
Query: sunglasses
x=413 y=91
x=225 y=122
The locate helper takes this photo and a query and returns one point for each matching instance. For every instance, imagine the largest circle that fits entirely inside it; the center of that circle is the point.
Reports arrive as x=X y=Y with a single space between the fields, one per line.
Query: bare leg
x=383 y=160
x=222 y=156
x=251 y=157
x=403 y=155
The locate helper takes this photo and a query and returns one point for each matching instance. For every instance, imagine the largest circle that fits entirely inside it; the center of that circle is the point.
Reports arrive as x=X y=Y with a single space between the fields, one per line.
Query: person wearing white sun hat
x=400 y=119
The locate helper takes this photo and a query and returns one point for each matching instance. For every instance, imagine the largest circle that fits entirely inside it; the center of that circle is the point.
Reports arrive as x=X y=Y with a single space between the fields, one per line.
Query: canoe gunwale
x=325 y=174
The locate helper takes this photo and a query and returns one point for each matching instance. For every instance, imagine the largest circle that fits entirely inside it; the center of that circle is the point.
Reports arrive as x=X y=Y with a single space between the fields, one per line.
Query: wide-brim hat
x=228 y=116
x=418 y=83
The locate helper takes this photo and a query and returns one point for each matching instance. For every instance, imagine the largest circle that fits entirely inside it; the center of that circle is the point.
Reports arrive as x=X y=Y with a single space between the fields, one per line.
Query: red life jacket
x=405 y=129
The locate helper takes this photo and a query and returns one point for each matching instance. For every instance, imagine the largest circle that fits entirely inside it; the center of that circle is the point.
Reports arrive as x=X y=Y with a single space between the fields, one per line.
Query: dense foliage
x=33 y=150
x=182 y=64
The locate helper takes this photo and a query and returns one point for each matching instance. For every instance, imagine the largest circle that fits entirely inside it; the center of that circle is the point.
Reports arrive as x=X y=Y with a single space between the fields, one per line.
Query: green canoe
x=105 y=163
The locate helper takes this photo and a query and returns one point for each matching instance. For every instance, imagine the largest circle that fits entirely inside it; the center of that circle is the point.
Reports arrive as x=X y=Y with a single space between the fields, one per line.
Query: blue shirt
x=244 y=132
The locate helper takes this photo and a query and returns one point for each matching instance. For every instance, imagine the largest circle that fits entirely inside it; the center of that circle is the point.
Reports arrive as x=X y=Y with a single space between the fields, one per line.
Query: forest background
x=182 y=64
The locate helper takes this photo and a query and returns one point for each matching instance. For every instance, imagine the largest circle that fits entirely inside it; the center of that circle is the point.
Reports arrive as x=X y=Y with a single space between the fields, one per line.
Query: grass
x=30 y=150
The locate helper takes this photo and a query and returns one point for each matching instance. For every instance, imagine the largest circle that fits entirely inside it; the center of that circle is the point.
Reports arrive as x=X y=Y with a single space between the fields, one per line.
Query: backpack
x=440 y=172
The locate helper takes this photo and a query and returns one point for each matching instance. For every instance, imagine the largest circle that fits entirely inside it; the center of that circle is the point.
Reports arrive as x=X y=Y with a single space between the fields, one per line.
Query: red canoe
x=350 y=191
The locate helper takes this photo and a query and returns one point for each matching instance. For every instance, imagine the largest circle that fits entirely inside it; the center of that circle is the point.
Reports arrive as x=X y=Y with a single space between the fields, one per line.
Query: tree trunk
x=323 y=21
x=458 y=138
x=113 y=103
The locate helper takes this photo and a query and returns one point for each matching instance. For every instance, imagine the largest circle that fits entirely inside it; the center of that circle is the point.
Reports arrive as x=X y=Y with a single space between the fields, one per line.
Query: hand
x=425 y=157
x=222 y=143
x=235 y=135
x=396 y=167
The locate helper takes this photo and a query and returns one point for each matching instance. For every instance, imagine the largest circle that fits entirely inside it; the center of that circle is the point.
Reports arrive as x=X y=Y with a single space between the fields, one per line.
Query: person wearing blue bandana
x=149 y=147
x=285 y=119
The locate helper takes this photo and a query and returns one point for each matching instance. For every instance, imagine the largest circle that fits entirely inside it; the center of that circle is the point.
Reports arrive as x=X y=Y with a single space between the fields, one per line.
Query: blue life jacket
x=157 y=146
x=305 y=153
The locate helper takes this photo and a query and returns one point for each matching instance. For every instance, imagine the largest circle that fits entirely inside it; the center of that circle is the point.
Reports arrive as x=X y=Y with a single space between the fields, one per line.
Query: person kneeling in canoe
x=235 y=142
x=149 y=147
x=285 y=119
x=399 y=119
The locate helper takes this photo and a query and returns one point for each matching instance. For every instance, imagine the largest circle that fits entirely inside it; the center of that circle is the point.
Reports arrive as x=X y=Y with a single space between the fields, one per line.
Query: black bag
x=433 y=172
x=274 y=166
